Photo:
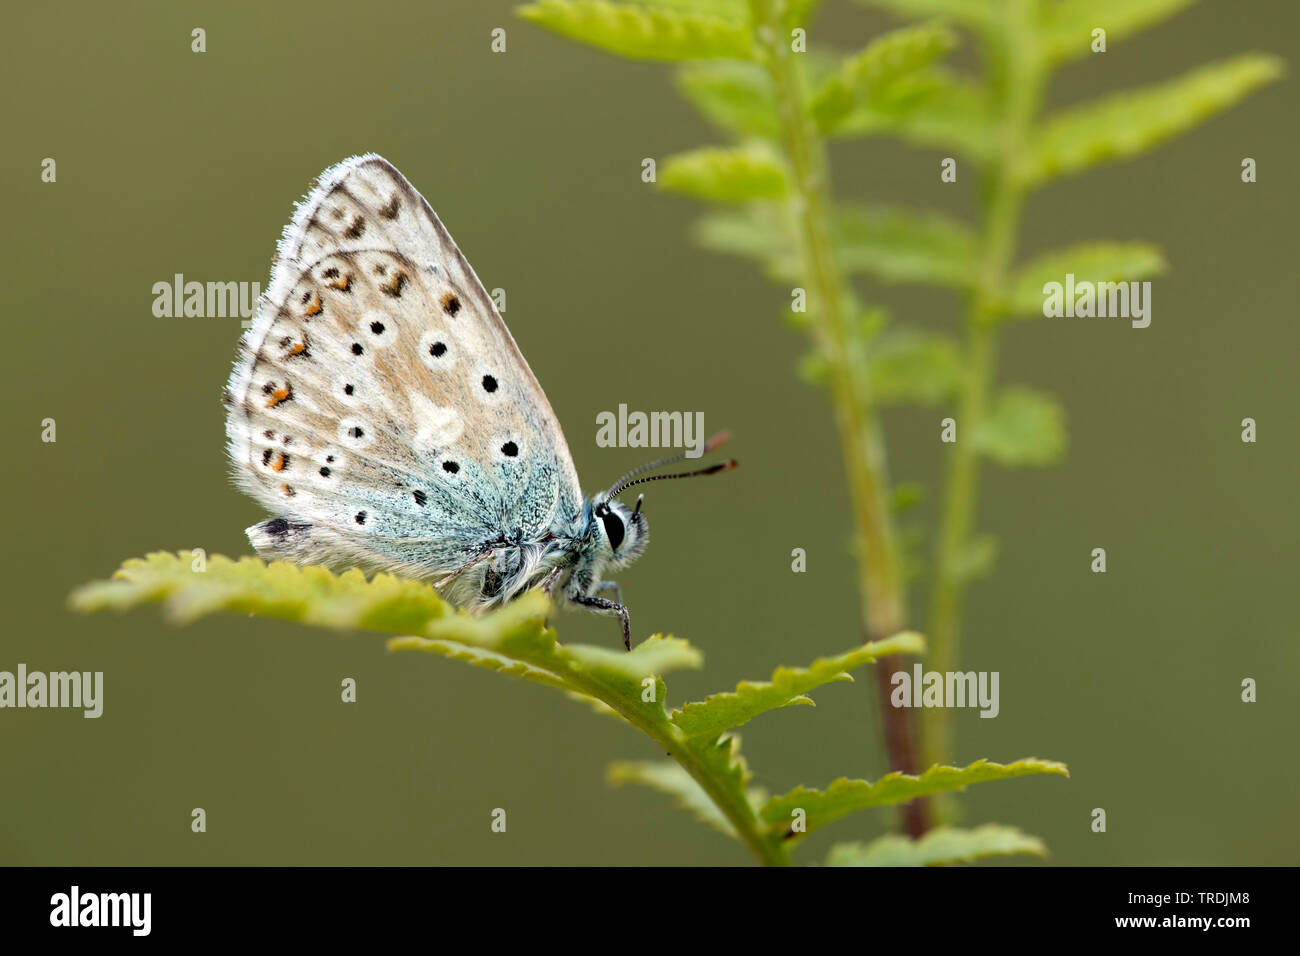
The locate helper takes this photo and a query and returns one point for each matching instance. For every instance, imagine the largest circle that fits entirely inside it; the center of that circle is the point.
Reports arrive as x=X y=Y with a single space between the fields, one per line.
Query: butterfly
x=380 y=408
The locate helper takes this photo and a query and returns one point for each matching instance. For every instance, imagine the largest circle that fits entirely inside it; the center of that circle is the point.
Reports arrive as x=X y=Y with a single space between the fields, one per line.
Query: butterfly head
x=624 y=534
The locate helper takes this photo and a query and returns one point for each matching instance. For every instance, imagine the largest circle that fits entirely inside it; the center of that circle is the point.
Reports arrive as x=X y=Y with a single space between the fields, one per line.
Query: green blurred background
x=170 y=161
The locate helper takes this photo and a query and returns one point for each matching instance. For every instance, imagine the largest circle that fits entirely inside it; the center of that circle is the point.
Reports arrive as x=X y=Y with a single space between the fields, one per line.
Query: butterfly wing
x=379 y=404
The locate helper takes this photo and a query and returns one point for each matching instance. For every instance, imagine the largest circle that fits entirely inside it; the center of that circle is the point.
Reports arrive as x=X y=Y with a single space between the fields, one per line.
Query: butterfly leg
x=546 y=588
x=464 y=567
x=601 y=604
x=549 y=584
x=611 y=586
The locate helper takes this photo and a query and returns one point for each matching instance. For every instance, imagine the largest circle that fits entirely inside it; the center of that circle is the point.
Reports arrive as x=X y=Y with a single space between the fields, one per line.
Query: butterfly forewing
x=379 y=404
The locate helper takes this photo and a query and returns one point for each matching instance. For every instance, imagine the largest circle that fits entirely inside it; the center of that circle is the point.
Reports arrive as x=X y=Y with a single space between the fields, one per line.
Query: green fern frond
x=866 y=76
x=891 y=243
x=934 y=109
x=1128 y=124
x=1065 y=26
x=843 y=796
x=731 y=175
x=975 y=558
x=1095 y=262
x=903 y=245
x=973 y=12
x=939 y=847
x=913 y=366
x=671 y=779
x=733 y=11
x=189 y=586
x=642 y=32
x=787 y=220
x=735 y=95
x=1024 y=427
x=789 y=685
x=480 y=657
x=511 y=640
x=760 y=231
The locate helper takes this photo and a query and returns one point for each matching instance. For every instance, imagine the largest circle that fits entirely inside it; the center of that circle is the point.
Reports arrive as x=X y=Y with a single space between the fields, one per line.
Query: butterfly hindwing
x=380 y=405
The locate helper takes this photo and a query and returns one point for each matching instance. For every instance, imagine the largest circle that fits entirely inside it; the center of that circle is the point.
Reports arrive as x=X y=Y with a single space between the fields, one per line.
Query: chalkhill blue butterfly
x=380 y=408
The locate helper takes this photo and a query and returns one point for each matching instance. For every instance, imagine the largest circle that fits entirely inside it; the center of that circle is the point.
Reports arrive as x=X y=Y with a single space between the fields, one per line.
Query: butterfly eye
x=613 y=529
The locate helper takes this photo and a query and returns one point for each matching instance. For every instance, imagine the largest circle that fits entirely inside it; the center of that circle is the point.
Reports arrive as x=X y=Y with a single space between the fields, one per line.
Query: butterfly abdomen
x=504 y=574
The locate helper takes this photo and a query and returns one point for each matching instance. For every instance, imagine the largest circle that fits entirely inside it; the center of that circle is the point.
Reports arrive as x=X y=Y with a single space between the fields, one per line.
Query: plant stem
x=769 y=850
x=880 y=581
x=1016 y=86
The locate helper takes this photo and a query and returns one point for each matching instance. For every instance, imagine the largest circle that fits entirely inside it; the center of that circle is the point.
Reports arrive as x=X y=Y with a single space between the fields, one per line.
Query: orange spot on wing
x=278 y=396
x=315 y=308
x=279 y=464
x=298 y=348
x=393 y=287
x=342 y=283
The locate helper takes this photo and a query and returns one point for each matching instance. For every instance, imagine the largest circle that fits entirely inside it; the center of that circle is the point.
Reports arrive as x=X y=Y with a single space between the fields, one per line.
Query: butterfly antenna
x=727 y=465
x=710 y=445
